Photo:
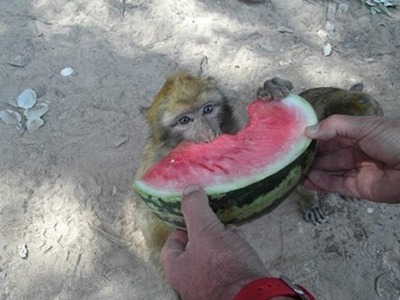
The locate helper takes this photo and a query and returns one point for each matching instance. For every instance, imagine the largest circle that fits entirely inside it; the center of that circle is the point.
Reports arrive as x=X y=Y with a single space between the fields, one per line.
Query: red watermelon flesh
x=272 y=139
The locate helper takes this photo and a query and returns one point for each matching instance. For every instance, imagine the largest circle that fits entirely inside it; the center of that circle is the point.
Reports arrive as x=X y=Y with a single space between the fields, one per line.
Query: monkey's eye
x=184 y=120
x=208 y=109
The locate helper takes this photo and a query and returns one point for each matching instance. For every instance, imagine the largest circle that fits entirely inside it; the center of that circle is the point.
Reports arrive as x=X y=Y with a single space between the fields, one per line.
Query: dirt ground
x=65 y=188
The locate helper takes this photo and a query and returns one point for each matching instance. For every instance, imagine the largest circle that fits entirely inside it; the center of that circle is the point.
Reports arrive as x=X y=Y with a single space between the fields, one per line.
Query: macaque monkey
x=326 y=101
x=187 y=108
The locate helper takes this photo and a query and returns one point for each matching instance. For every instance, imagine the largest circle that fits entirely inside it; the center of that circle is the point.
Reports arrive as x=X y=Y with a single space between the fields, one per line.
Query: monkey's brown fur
x=328 y=101
x=181 y=93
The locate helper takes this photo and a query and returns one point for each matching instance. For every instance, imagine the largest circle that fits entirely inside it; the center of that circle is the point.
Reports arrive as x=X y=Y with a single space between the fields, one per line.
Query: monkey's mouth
x=204 y=141
x=206 y=136
x=211 y=138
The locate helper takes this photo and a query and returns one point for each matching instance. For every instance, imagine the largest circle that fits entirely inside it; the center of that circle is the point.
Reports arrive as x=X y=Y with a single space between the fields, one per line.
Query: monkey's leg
x=277 y=88
x=310 y=204
x=155 y=233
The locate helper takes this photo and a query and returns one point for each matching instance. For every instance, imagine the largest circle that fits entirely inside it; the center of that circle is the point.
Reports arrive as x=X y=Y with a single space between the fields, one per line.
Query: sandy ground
x=65 y=189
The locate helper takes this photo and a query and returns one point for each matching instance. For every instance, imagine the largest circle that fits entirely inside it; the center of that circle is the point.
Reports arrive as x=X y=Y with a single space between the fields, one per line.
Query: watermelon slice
x=244 y=175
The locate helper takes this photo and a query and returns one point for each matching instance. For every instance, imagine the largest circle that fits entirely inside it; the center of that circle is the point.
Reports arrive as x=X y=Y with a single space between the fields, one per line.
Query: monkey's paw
x=315 y=215
x=276 y=88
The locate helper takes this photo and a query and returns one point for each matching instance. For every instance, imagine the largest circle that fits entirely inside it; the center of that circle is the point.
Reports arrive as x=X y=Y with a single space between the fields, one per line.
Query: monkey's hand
x=275 y=88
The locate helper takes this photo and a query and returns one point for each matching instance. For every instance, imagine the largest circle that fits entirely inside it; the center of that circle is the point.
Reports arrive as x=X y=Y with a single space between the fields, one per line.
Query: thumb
x=198 y=214
x=351 y=127
x=173 y=247
x=312 y=131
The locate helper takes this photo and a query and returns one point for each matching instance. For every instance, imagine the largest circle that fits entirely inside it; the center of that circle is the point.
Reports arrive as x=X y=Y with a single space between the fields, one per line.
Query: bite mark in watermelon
x=246 y=174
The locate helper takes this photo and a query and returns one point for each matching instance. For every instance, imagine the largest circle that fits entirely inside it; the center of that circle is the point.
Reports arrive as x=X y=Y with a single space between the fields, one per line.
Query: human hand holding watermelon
x=216 y=263
x=209 y=261
x=357 y=157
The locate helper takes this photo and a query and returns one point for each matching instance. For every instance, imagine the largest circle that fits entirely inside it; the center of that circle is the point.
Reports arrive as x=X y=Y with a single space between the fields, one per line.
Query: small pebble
x=370 y=210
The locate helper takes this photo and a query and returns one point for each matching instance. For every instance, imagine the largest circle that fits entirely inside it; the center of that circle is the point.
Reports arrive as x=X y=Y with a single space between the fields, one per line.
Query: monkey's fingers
x=277 y=88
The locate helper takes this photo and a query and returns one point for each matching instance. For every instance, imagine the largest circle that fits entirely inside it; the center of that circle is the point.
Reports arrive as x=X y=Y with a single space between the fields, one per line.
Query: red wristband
x=267 y=288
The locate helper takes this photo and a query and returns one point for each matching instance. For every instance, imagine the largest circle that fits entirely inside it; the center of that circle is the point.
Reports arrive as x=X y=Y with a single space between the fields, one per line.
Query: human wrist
x=270 y=288
x=230 y=292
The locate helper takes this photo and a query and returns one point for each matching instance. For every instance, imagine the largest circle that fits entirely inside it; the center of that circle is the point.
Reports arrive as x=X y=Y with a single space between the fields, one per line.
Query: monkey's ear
x=358 y=87
x=144 y=111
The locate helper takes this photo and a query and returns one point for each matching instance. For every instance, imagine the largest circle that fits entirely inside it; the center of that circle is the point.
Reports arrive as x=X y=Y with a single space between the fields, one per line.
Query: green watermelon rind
x=247 y=197
x=240 y=205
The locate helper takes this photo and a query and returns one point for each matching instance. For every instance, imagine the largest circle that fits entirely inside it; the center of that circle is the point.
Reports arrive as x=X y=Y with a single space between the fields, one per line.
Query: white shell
x=327 y=50
x=27 y=99
x=18 y=60
x=13 y=102
x=34 y=124
x=10 y=117
x=22 y=250
x=67 y=71
x=36 y=112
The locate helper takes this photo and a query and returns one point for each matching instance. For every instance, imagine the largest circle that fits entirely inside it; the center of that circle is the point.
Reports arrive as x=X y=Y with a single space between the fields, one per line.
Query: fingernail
x=312 y=130
x=190 y=189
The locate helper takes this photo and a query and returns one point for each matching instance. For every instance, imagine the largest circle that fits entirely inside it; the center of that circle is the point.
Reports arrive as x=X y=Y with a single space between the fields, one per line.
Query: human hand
x=209 y=261
x=357 y=157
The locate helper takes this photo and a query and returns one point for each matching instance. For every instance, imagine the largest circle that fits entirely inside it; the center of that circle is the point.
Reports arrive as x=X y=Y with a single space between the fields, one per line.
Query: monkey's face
x=199 y=124
x=190 y=109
